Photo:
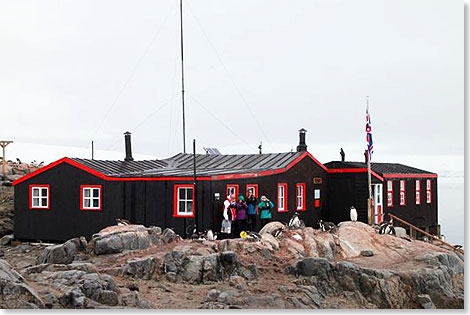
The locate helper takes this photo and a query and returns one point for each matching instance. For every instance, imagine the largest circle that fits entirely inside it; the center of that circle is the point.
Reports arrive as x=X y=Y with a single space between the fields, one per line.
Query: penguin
x=122 y=222
x=353 y=214
x=387 y=228
x=210 y=236
x=295 y=222
x=253 y=236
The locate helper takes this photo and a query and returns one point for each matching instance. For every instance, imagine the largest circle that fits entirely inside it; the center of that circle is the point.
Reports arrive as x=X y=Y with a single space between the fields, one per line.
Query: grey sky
x=296 y=63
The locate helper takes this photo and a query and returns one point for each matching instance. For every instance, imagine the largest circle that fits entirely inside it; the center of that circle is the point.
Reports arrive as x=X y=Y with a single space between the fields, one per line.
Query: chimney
x=302 y=146
x=343 y=155
x=127 y=141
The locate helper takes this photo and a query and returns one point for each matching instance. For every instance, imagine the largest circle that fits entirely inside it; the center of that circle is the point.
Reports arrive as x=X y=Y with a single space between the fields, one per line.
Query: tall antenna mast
x=182 y=75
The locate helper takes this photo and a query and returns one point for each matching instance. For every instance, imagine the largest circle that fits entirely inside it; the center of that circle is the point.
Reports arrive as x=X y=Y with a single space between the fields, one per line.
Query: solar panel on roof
x=212 y=151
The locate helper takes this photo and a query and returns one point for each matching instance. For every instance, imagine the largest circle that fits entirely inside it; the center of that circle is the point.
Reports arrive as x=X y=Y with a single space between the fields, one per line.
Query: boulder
x=117 y=238
x=14 y=291
x=271 y=240
x=6 y=240
x=272 y=227
x=312 y=266
x=400 y=232
x=367 y=253
x=142 y=268
x=169 y=236
x=425 y=301
x=295 y=248
x=180 y=264
x=62 y=253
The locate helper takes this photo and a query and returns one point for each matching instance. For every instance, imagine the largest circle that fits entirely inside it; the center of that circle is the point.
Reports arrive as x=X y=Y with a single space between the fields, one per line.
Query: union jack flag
x=370 y=143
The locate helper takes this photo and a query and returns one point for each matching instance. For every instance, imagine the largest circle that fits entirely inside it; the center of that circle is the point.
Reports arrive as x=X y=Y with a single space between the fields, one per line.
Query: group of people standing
x=241 y=214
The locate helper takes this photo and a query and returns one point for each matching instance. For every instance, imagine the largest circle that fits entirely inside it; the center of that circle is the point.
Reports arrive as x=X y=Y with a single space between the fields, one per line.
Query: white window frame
x=281 y=198
x=300 y=195
x=39 y=197
x=187 y=200
x=418 y=192
x=91 y=198
x=428 y=191
x=390 y=194
x=402 y=193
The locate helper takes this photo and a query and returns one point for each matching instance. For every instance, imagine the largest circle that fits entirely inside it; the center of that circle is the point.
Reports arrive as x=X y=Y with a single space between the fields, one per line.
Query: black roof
x=379 y=168
x=182 y=164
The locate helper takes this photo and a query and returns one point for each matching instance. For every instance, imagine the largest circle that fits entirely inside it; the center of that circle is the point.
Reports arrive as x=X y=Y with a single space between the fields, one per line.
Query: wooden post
x=4 y=144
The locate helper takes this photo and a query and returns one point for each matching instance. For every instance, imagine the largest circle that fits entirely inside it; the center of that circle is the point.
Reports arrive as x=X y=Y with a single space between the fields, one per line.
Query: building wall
x=423 y=215
x=303 y=172
x=64 y=219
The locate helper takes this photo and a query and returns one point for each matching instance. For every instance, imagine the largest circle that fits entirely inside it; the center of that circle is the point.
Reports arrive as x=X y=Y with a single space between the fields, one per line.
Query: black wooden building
x=73 y=197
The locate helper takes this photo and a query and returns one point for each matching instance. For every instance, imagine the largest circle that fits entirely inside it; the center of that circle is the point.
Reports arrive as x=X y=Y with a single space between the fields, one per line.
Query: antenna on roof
x=182 y=75
x=260 y=147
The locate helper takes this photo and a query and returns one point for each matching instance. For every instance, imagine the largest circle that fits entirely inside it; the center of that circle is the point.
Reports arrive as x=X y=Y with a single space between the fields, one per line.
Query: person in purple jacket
x=242 y=215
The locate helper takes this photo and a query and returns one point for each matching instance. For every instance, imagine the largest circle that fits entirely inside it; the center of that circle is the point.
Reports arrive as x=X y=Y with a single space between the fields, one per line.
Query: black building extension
x=73 y=197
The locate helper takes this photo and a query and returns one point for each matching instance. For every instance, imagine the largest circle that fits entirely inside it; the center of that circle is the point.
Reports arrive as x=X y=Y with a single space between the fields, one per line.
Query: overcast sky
x=257 y=70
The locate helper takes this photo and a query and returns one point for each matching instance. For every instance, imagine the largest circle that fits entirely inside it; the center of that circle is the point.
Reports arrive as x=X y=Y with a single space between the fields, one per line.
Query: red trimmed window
x=282 y=197
x=316 y=197
x=418 y=192
x=300 y=196
x=90 y=197
x=183 y=201
x=390 y=193
x=232 y=190
x=402 y=193
x=39 y=197
x=253 y=188
x=428 y=191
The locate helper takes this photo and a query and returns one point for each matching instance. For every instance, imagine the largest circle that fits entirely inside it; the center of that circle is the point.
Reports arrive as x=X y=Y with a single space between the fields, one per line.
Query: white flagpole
x=369 y=180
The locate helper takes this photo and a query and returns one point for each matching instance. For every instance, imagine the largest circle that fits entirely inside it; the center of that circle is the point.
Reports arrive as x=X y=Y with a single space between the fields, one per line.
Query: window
x=90 y=197
x=39 y=196
x=402 y=193
x=418 y=192
x=282 y=197
x=183 y=201
x=316 y=197
x=428 y=191
x=300 y=196
x=232 y=189
x=389 y=193
x=253 y=188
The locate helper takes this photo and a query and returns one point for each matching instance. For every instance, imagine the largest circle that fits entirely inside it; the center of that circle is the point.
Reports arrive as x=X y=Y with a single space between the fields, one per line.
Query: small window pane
x=181 y=193
x=189 y=207
x=44 y=202
x=182 y=208
x=35 y=202
x=44 y=192
x=35 y=191
x=189 y=195
x=87 y=203
x=317 y=193
x=86 y=192
x=95 y=203
x=96 y=192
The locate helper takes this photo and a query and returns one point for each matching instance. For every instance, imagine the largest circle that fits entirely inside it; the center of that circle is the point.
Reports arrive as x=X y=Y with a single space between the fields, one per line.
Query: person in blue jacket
x=265 y=210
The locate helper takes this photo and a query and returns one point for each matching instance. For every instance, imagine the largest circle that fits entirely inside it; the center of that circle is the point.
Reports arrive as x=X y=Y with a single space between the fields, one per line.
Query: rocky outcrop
x=62 y=253
x=180 y=264
x=143 y=268
x=115 y=239
x=79 y=286
x=439 y=285
x=14 y=291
